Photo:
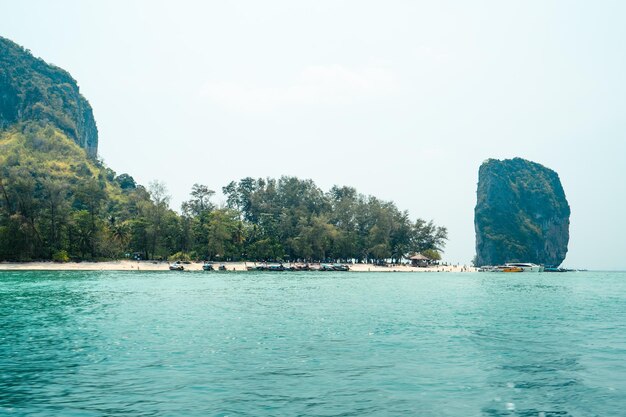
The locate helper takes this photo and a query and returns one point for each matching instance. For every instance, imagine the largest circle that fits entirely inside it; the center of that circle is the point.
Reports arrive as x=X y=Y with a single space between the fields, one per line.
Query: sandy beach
x=127 y=265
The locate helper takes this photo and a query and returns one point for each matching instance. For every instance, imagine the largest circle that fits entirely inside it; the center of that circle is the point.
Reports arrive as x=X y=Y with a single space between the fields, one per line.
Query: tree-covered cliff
x=56 y=203
x=32 y=90
x=59 y=202
x=521 y=214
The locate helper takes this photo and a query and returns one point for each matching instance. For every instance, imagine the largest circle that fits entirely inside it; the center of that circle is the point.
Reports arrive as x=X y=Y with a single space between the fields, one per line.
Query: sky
x=400 y=99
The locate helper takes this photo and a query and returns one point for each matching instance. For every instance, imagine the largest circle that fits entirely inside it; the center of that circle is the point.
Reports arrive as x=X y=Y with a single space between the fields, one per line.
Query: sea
x=312 y=344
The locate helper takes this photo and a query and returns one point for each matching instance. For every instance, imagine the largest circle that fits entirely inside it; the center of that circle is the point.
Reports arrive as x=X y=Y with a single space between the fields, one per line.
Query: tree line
x=55 y=203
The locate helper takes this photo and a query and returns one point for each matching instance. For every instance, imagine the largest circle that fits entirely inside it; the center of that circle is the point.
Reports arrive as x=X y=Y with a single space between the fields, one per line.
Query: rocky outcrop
x=32 y=90
x=521 y=214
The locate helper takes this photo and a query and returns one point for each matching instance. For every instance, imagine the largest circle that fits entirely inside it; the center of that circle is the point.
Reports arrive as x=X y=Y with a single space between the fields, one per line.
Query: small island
x=59 y=202
x=521 y=214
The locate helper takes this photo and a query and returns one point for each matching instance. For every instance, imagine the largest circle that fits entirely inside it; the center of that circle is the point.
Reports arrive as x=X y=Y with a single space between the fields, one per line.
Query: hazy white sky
x=400 y=99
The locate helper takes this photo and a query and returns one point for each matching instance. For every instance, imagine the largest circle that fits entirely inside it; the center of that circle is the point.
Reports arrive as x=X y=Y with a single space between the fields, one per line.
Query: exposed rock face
x=521 y=214
x=30 y=89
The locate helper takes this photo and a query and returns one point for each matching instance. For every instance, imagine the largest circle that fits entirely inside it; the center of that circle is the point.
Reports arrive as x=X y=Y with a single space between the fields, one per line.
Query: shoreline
x=127 y=265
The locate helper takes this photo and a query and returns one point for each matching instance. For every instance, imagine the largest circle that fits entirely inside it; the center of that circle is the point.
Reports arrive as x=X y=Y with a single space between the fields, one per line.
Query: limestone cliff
x=32 y=90
x=521 y=214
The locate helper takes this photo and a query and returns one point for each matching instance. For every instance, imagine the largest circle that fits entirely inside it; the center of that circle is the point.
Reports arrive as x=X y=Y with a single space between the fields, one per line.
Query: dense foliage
x=56 y=203
x=31 y=89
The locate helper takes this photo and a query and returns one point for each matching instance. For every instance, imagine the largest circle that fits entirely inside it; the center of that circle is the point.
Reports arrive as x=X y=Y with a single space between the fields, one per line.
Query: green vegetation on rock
x=521 y=214
x=58 y=202
x=55 y=199
x=32 y=90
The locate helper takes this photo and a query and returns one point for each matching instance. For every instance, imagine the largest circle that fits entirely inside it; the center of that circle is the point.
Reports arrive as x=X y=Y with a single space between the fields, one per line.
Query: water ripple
x=159 y=344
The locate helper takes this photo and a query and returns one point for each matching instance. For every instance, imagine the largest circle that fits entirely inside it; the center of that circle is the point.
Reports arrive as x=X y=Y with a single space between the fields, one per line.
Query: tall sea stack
x=521 y=214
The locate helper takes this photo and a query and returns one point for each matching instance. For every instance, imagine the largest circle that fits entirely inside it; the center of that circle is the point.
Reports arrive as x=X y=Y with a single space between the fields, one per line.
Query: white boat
x=500 y=268
x=488 y=268
x=526 y=267
x=177 y=266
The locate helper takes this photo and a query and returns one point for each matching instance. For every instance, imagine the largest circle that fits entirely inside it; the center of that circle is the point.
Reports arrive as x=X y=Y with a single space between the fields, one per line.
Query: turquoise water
x=314 y=344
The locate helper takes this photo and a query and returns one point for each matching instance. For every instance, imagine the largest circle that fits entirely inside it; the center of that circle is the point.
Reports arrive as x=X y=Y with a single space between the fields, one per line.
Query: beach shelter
x=419 y=260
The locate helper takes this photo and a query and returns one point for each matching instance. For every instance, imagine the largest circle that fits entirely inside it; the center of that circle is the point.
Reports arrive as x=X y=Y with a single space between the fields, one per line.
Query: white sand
x=126 y=265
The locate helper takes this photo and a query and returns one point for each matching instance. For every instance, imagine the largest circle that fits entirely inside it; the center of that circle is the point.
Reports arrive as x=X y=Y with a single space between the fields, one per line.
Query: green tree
x=428 y=236
x=154 y=212
x=432 y=254
x=56 y=210
x=223 y=231
x=200 y=202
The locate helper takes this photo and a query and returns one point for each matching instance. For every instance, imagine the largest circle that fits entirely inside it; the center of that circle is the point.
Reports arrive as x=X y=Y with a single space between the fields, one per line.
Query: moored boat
x=208 y=266
x=500 y=268
x=177 y=266
x=511 y=269
x=270 y=267
x=334 y=267
x=526 y=266
x=552 y=268
x=488 y=268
